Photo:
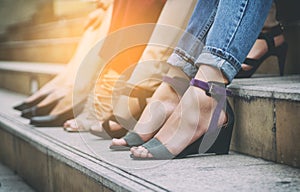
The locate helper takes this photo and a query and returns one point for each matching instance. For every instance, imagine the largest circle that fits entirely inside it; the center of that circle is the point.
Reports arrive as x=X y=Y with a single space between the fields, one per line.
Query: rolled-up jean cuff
x=228 y=69
x=178 y=61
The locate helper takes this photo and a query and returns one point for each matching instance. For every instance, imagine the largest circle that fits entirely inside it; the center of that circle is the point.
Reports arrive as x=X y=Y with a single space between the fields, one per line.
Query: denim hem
x=178 y=60
x=220 y=59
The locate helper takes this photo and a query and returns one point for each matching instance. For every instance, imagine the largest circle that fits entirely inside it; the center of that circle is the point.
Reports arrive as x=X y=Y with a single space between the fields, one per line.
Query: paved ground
x=10 y=182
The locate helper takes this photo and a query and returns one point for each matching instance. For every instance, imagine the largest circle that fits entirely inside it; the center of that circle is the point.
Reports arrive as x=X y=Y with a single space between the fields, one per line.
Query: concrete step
x=51 y=30
x=266 y=108
x=46 y=50
x=267 y=118
x=50 y=159
x=26 y=77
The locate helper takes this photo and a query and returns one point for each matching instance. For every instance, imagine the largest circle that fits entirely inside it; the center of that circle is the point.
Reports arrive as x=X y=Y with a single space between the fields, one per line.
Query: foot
x=79 y=124
x=71 y=123
x=73 y=126
x=98 y=130
x=190 y=120
x=161 y=105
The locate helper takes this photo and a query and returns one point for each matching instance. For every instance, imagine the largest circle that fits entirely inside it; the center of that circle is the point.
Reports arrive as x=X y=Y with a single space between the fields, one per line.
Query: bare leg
x=162 y=104
x=191 y=118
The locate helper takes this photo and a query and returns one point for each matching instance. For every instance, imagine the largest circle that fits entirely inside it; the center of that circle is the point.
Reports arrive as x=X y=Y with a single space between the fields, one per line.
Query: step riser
x=267 y=128
x=24 y=83
x=41 y=170
x=60 y=29
x=58 y=52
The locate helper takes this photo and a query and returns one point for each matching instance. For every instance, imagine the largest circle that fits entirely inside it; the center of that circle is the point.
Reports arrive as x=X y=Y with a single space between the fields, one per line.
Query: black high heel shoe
x=39 y=111
x=52 y=120
x=27 y=105
x=280 y=52
x=55 y=120
x=215 y=140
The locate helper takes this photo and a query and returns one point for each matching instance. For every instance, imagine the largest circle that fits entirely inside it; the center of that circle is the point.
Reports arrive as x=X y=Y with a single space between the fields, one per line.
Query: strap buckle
x=217 y=89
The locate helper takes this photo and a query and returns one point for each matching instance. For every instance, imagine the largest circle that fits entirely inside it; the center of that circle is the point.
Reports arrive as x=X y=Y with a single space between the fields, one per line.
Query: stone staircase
x=26 y=77
x=267 y=118
x=50 y=159
x=53 y=42
x=264 y=151
x=33 y=51
x=51 y=35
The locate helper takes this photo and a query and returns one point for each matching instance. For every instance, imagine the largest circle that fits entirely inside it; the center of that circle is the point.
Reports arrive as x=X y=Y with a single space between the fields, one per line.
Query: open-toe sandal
x=215 y=140
x=133 y=139
x=130 y=91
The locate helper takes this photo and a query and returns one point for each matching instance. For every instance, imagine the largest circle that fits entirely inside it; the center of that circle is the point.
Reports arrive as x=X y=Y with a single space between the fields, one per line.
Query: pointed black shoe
x=38 y=111
x=52 y=120
x=26 y=105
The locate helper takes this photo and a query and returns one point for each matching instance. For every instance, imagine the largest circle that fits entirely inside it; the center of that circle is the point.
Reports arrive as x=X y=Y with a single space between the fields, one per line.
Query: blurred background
x=37 y=37
x=41 y=30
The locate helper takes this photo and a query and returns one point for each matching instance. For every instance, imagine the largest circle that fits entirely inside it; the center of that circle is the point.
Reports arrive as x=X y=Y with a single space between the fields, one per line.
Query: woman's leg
x=159 y=108
x=227 y=44
x=260 y=46
x=184 y=56
x=152 y=67
x=126 y=14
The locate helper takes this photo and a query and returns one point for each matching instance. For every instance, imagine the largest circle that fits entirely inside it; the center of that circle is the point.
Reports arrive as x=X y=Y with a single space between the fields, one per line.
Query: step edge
x=98 y=170
x=32 y=67
x=39 y=42
x=54 y=23
x=250 y=90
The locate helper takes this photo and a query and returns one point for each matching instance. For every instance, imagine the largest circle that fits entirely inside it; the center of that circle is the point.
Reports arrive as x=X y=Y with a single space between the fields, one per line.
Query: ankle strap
x=269 y=36
x=215 y=90
x=180 y=85
x=211 y=88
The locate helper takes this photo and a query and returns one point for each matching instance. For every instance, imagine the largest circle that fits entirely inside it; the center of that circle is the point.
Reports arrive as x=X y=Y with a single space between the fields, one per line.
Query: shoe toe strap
x=133 y=139
x=157 y=149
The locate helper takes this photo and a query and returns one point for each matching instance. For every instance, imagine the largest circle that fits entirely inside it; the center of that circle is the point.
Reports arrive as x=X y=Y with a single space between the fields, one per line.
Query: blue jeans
x=220 y=33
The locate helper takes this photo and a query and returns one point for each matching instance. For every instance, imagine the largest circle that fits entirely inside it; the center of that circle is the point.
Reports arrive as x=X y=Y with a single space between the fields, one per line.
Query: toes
x=132 y=149
x=68 y=123
x=71 y=125
x=136 y=152
x=141 y=152
x=118 y=142
x=144 y=153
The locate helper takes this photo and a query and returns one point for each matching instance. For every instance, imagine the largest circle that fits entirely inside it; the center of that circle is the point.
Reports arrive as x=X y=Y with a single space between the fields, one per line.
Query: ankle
x=278 y=40
x=208 y=73
x=167 y=96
